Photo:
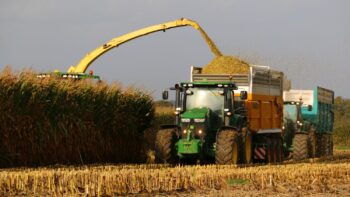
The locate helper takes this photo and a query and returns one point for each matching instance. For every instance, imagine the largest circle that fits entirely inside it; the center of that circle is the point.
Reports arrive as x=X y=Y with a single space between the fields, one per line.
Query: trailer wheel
x=319 y=143
x=300 y=149
x=227 y=149
x=271 y=151
x=279 y=151
x=323 y=145
x=165 y=146
x=331 y=145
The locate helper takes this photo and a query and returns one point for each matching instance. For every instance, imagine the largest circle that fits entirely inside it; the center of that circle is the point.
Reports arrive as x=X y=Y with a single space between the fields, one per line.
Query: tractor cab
x=292 y=115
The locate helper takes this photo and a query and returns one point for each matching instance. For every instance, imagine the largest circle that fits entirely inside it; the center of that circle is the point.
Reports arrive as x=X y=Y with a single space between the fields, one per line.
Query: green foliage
x=342 y=122
x=237 y=182
x=46 y=121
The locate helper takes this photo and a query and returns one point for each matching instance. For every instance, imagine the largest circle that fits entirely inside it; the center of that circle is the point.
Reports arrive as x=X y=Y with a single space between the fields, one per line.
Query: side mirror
x=309 y=108
x=244 y=95
x=228 y=108
x=165 y=95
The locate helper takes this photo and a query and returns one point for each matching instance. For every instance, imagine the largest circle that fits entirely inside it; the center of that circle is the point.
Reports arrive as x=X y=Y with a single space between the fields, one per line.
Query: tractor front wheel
x=165 y=146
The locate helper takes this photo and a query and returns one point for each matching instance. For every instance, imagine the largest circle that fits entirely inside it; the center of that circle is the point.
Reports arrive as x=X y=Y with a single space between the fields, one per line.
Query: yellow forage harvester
x=226 y=65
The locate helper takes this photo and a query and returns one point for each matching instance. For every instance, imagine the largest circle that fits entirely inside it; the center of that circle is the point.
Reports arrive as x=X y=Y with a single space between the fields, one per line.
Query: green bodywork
x=206 y=83
x=190 y=145
x=185 y=146
x=195 y=113
x=66 y=75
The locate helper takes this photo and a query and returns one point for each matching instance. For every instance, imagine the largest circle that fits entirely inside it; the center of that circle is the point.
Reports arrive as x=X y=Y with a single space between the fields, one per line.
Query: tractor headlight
x=200 y=131
x=184 y=131
x=199 y=120
x=185 y=120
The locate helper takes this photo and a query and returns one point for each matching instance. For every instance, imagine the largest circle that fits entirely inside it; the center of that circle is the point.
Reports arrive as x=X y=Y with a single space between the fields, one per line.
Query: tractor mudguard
x=225 y=128
x=171 y=126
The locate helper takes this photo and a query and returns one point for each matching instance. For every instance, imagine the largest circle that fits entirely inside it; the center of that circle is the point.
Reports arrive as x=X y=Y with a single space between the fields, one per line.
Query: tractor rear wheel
x=165 y=146
x=227 y=147
x=300 y=149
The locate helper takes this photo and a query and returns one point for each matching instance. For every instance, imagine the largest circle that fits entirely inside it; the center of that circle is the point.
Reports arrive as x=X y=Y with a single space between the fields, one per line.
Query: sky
x=308 y=40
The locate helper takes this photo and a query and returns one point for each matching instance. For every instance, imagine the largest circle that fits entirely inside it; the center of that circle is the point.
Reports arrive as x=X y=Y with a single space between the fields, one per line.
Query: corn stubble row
x=50 y=121
x=112 y=180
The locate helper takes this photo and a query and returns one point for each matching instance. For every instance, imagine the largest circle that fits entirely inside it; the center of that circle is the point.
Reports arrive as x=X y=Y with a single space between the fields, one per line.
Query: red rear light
x=91 y=72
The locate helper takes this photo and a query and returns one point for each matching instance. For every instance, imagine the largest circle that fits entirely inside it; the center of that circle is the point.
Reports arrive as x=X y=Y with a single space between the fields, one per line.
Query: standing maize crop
x=48 y=121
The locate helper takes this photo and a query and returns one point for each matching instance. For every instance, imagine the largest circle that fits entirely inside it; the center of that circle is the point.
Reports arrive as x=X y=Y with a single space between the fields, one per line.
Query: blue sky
x=308 y=40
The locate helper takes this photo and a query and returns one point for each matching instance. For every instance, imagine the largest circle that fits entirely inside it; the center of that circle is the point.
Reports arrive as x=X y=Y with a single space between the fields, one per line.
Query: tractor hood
x=196 y=113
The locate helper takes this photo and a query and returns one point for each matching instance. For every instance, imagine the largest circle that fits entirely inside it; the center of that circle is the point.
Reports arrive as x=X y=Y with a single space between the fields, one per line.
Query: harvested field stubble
x=226 y=65
x=48 y=121
x=325 y=177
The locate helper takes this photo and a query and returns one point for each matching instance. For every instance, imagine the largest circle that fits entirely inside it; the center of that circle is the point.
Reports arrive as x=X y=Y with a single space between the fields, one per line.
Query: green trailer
x=308 y=122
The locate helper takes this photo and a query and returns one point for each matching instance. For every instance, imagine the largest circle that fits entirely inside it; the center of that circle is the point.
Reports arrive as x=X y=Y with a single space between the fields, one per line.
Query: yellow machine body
x=82 y=66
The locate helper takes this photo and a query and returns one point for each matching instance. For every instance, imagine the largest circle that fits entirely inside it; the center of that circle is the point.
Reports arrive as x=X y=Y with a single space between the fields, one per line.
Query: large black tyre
x=331 y=145
x=227 y=147
x=300 y=146
x=319 y=148
x=279 y=150
x=327 y=142
x=323 y=145
x=270 y=150
x=312 y=147
x=247 y=155
x=165 y=151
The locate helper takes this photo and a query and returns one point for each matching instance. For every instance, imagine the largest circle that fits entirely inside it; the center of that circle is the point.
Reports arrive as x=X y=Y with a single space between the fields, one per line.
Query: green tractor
x=209 y=126
x=297 y=135
x=308 y=123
